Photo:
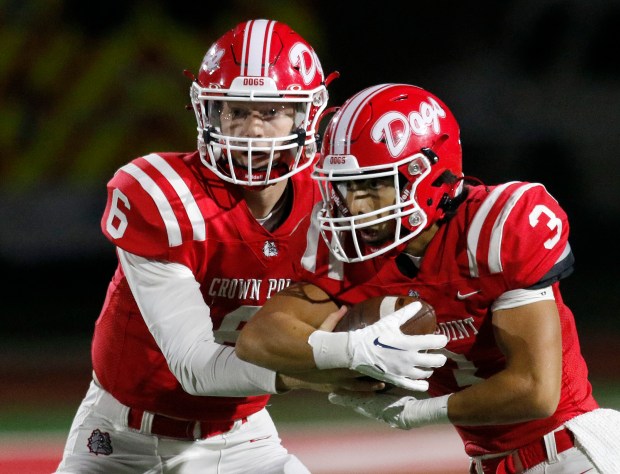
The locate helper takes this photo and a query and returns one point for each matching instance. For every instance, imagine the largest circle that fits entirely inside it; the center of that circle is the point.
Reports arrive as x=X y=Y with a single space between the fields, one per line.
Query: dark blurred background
x=87 y=86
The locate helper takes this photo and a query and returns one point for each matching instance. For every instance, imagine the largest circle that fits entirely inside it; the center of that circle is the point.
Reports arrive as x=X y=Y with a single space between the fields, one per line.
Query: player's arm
x=277 y=335
x=276 y=338
x=529 y=387
x=534 y=253
x=174 y=310
x=166 y=292
x=526 y=322
x=177 y=316
x=286 y=335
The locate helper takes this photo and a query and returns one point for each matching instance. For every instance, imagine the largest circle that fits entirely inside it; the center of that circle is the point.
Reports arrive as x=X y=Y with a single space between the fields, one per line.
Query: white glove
x=398 y=412
x=382 y=351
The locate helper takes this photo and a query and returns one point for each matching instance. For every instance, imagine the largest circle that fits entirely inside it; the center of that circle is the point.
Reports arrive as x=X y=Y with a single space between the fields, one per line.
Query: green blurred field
x=294 y=408
x=44 y=382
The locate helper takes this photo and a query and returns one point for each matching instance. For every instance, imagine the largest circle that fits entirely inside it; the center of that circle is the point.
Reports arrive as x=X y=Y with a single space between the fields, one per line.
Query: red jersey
x=507 y=237
x=169 y=207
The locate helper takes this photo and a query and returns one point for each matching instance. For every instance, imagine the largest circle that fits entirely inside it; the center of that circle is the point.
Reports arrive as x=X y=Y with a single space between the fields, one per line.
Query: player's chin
x=260 y=160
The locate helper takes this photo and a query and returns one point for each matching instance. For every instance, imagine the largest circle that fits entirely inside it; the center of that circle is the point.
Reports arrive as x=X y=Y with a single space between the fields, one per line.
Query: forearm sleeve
x=177 y=316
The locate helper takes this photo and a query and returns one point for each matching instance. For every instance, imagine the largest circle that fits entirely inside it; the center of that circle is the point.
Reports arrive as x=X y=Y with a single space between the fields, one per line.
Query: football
x=371 y=310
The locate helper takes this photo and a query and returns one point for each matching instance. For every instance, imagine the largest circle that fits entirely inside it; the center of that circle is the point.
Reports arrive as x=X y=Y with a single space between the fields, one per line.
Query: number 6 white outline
x=117 y=232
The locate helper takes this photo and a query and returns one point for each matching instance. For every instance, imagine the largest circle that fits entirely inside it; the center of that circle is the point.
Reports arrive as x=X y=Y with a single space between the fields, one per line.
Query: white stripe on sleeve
x=163 y=206
x=473 y=235
x=495 y=247
x=189 y=203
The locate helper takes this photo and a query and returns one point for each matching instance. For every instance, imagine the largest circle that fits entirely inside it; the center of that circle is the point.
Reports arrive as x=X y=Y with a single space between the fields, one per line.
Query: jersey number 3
x=554 y=223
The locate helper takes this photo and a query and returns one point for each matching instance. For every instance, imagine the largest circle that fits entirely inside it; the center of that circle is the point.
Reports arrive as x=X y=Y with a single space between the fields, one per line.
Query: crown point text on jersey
x=246 y=289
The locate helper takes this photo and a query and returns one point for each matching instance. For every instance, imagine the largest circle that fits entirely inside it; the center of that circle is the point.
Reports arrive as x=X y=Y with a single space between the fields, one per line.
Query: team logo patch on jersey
x=270 y=249
x=100 y=443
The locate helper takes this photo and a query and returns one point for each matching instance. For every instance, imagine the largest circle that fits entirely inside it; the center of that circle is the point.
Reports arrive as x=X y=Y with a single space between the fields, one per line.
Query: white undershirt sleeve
x=516 y=298
x=175 y=312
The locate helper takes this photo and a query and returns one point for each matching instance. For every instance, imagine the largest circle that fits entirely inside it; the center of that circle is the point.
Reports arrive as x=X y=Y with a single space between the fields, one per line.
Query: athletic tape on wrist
x=430 y=411
x=330 y=349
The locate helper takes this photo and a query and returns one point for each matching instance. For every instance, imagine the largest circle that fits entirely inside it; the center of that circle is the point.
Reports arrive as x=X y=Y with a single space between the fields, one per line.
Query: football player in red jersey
x=203 y=240
x=398 y=217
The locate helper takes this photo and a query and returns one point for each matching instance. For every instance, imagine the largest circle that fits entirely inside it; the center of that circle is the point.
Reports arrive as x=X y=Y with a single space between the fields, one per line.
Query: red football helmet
x=388 y=130
x=259 y=63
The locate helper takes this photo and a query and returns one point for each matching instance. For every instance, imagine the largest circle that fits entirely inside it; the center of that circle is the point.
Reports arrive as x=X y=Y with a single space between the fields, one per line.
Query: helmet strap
x=301 y=137
x=431 y=155
x=206 y=134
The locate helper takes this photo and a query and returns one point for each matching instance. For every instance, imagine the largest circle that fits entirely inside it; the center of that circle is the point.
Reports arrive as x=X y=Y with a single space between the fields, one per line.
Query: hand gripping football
x=371 y=310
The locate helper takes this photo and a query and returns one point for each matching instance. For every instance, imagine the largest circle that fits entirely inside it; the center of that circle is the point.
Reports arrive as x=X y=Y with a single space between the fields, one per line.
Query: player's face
x=257 y=120
x=364 y=196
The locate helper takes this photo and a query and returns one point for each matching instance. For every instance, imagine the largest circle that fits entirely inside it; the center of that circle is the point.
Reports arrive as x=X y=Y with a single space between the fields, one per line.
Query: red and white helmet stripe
x=339 y=144
x=256 y=48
